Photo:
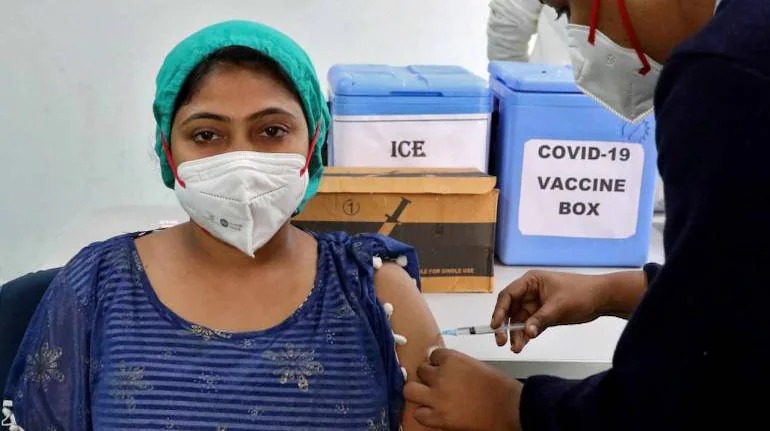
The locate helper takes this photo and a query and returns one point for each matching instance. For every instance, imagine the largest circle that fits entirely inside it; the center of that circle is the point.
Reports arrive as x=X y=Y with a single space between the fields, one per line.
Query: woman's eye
x=274 y=132
x=205 y=136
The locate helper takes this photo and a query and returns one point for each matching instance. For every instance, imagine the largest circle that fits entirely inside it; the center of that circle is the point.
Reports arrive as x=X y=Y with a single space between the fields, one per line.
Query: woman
x=235 y=320
x=695 y=351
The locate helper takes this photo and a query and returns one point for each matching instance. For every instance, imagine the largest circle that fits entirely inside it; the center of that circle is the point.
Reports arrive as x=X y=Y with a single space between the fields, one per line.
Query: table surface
x=574 y=351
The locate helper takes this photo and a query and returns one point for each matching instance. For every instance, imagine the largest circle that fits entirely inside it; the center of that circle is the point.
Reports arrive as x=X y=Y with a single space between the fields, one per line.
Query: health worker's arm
x=411 y=319
x=510 y=26
x=697 y=343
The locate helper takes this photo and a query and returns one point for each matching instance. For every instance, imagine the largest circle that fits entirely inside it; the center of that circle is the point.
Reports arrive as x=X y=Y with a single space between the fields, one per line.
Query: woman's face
x=237 y=109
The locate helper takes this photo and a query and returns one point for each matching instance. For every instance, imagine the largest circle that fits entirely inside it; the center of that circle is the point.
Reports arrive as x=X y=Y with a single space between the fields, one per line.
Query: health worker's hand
x=457 y=392
x=543 y=299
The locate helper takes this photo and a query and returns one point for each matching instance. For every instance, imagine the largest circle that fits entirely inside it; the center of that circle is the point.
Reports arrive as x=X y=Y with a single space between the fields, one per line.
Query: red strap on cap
x=646 y=68
x=170 y=160
x=311 y=150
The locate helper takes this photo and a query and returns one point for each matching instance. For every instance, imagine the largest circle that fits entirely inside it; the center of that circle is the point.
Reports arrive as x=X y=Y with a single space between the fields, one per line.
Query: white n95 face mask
x=612 y=74
x=242 y=198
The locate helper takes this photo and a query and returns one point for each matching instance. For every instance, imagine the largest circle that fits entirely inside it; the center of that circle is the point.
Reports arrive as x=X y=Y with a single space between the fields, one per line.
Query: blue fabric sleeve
x=18 y=300
x=49 y=381
x=361 y=249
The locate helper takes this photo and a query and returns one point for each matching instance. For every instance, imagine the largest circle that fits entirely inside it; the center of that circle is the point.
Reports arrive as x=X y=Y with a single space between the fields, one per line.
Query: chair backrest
x=18 y=300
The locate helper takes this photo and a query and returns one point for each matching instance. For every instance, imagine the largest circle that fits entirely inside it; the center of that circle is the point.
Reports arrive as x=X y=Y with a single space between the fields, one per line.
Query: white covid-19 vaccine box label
x=580 y=189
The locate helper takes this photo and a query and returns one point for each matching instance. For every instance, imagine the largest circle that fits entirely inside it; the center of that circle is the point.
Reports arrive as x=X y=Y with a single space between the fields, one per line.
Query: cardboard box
x=448 y=215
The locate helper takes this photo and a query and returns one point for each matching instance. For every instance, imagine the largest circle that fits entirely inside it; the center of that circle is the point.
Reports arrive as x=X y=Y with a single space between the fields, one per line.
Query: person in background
x=695 y=351
x=511 y=25
x=236 y=319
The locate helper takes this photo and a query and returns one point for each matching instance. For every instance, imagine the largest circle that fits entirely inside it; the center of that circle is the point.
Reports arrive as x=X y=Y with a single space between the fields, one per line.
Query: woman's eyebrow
x=206 y=116
x=225 y=119
x=269 y=111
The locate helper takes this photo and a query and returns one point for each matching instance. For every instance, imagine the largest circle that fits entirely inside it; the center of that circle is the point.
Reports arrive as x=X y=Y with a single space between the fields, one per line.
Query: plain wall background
x=77 y=84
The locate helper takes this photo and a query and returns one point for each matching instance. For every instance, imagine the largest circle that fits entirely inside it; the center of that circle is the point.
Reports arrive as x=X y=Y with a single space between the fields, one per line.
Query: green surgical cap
x=270 y=42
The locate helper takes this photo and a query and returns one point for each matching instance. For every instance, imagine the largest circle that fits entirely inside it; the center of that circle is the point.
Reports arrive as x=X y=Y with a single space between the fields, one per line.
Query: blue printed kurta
x=103 y=353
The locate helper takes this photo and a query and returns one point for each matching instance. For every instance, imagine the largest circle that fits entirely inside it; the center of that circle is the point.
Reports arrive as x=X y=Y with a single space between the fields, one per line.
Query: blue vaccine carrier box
x=420 y=116
x=576 y=182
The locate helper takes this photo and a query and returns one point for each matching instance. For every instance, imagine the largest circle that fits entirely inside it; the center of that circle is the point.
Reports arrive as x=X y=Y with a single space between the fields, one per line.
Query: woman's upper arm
x=412 y=319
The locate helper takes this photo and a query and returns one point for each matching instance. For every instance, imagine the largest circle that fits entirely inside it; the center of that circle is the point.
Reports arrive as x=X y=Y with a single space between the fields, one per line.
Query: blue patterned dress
x=103 y=353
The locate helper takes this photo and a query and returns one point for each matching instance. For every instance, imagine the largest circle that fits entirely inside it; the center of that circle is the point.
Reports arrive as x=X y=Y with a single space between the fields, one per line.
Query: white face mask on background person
x=611 y=74
x=244 y=197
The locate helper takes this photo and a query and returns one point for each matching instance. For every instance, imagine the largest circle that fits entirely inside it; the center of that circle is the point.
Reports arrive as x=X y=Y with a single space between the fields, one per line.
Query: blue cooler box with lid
x=412 y=116
x=576 y=182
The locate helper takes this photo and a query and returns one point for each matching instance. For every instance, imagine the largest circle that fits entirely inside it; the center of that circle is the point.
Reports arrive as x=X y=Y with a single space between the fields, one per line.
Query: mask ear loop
x=646 y=68
x=594 y=21
x=311 y=150
x=170 y=160
x=172 y=165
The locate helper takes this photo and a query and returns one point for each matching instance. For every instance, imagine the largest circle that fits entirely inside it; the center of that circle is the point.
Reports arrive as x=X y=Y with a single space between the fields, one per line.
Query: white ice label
x=424 y=141
x=580 y=189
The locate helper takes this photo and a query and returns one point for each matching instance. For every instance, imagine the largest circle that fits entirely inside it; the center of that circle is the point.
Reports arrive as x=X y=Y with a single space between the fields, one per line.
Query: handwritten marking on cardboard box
x=580 y=189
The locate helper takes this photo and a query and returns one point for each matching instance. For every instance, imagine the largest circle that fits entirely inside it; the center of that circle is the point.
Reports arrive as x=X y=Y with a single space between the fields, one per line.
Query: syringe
x=484 y=329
